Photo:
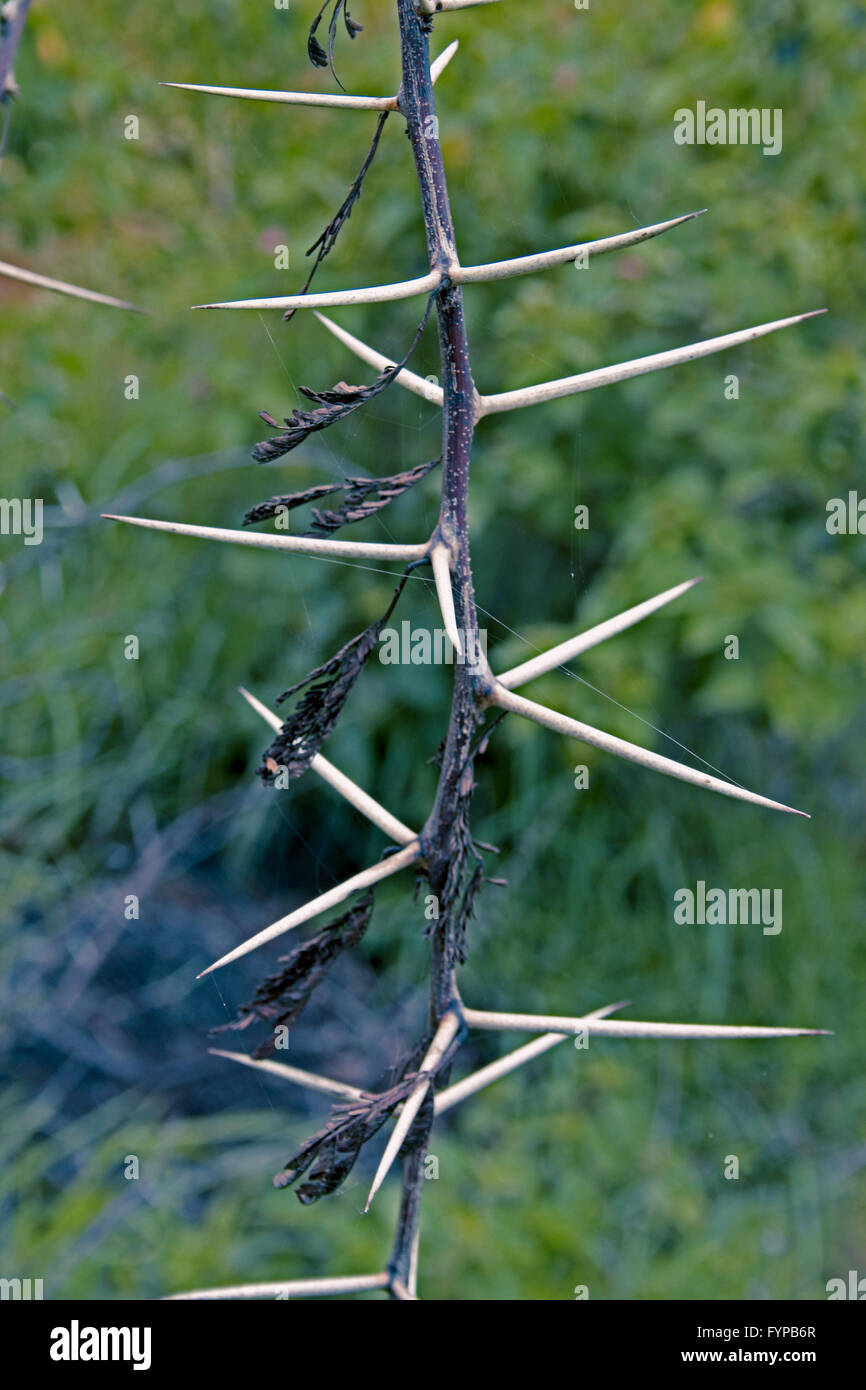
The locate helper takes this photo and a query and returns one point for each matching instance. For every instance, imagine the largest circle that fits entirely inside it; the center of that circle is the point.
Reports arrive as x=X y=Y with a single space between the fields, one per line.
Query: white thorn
x=622 y=371
x=435 y=6
x=631 y=752
x=400 y=1292
x=495 y=270
x=626 y=1028
x=546 y=260
x=44 y=282
x=440 y=559
x=410 y=380
x=442 y=1040
x=438 y=66
x=292 y=1288
x=299 y=545
x=399 y=833
x=413 y=1262
x=355 y=103
x=344 y=102
x=485 y=1076
x=323 y=1084
x=365 y=879
x=371 y=294
x=355 y=795
x=566 y=651
x=269 y=717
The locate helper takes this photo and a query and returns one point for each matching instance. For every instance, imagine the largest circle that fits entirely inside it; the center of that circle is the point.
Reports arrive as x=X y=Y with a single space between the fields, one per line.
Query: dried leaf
x=325 y=243
x=358 y=503
x=333 y=405
x=352 y=25
x=316 y=53
x=333 y=1151
x=318 y=57
x=281 y=998
x=289 y=501
x=309 y=724
x=361 y=500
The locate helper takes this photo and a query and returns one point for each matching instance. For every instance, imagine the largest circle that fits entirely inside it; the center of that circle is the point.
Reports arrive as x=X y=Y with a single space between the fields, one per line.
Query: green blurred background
x=603 y=1168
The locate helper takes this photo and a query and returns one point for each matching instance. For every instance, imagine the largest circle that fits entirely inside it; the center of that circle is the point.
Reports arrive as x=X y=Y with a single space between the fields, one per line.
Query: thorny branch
x=444 y=852
x=444 y=837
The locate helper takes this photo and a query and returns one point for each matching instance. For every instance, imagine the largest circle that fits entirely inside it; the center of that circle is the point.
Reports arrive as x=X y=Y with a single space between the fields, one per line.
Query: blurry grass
x=602 y=1168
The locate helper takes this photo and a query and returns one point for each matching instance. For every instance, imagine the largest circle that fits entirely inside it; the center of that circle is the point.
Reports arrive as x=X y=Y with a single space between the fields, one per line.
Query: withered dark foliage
x=333 y=405
x=366 y=496
x=331 y=1154
x=289 y=500
x=360 y=501
x=325 y=243
x=309 y=724
x=317 y=55
x=282 y=998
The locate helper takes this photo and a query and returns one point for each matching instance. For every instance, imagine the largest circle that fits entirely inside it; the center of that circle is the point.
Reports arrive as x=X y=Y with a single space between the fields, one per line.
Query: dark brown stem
x=439 y=835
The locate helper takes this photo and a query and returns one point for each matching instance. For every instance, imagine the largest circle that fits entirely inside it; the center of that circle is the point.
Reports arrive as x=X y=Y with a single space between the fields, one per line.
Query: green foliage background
x=605 y=1167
